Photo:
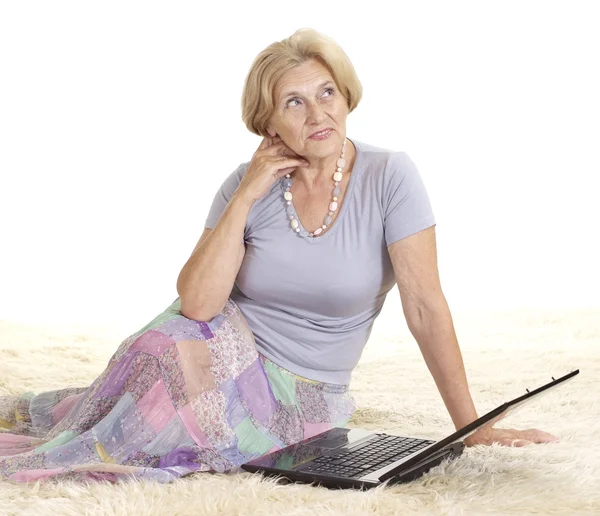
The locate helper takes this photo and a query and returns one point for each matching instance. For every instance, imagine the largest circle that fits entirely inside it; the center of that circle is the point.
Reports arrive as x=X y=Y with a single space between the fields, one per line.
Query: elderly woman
x=276 y=302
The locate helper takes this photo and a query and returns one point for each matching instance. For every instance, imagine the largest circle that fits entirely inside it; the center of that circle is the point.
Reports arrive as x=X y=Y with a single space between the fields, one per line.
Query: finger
x=266 y=143
x=278 y=174
x=270 y=148
x=286 y=166
x=281 y=152
x=517 y=443
x=292 y=162
x=280 y=149
x=538 y=436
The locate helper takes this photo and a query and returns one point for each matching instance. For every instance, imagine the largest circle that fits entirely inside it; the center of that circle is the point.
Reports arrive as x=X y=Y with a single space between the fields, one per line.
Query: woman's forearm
x=205 y=282
x=433 y=330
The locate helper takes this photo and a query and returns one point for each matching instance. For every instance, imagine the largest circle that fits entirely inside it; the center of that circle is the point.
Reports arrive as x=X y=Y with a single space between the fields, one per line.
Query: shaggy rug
x=504 y=353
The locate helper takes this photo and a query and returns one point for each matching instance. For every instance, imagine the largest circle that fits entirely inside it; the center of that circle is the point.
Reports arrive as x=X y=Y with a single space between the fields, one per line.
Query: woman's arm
x=205 y=282
x=428 y=317
x=415 y=266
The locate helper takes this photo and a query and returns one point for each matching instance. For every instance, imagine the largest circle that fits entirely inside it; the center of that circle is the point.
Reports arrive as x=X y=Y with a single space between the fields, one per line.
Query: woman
x=276 y=302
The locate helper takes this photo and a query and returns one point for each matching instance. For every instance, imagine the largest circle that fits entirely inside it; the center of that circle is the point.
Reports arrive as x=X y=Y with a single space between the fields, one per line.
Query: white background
x=119 y=121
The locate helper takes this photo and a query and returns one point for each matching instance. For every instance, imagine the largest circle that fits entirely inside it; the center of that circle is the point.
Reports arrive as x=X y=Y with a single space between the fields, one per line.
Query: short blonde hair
x=279 y=57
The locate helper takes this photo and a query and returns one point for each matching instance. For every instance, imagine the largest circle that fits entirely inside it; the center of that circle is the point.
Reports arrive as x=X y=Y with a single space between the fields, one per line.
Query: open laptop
x=355 y=458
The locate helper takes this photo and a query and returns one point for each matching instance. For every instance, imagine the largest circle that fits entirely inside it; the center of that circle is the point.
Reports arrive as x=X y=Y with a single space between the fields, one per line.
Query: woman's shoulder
x=236 y=176
x=382 y=162
x=371 y=149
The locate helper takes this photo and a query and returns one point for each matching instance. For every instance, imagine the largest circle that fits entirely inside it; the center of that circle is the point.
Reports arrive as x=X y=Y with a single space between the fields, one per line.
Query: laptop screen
x=490 y=418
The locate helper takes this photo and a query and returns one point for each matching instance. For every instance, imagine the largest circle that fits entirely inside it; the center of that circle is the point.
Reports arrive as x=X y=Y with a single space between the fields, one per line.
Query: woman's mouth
x=323 y=135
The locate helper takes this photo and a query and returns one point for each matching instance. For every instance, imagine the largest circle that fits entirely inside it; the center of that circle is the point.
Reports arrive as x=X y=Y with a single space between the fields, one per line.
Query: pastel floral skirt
x=179 y=396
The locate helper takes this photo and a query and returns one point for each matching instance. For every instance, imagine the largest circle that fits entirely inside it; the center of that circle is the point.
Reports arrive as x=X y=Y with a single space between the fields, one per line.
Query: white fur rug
x=504 y=354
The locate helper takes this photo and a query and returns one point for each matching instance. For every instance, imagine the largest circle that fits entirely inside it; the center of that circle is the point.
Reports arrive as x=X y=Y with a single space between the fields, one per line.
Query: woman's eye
x=297 y=100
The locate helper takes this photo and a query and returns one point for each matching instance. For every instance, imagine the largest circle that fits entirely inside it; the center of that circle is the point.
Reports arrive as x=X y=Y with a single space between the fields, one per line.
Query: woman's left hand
x=509 y=437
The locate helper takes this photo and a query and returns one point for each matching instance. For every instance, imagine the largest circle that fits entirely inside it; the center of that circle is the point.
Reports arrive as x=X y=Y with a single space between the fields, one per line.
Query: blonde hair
x=279 y=57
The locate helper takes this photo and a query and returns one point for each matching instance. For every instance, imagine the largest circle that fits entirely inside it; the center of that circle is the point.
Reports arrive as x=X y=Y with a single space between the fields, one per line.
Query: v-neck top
x=311 y=301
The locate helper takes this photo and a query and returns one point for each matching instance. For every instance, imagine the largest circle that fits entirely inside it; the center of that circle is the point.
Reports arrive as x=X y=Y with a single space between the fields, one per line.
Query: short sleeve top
x=311 y=302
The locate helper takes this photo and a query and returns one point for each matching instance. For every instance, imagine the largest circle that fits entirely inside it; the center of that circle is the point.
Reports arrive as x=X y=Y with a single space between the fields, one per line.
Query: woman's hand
x=509 y=437
x=272 y=160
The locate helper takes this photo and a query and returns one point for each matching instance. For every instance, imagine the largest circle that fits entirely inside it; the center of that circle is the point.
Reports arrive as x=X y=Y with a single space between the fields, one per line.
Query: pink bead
x=333 y=206
x=318 y=231
x=341 y=162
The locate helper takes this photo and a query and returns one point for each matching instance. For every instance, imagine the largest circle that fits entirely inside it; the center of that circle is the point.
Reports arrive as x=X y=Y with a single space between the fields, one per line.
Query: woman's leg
x=178 y=396
x=163 y=407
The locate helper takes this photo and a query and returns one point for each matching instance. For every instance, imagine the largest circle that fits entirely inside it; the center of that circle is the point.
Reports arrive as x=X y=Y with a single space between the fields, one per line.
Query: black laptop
x=355 y=458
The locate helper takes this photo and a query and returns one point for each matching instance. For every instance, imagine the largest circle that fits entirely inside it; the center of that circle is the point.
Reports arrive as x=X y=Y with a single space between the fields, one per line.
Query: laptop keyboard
x=364 y=459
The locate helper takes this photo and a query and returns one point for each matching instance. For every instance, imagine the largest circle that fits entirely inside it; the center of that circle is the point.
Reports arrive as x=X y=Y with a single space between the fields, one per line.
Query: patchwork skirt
x=179 y=396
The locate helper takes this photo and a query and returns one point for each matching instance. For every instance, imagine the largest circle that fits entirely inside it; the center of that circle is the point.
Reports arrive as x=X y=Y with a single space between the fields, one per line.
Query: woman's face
x=307 y=100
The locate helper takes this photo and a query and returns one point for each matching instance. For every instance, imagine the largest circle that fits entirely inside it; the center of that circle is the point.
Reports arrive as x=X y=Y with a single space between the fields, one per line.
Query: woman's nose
x=315 y=113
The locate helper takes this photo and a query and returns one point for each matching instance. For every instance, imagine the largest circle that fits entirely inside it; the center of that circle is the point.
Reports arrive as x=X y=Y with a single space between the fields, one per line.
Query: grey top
x=311 y=302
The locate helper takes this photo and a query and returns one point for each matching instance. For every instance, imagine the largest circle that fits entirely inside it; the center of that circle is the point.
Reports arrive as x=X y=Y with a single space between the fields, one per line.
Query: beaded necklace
x=333 y=206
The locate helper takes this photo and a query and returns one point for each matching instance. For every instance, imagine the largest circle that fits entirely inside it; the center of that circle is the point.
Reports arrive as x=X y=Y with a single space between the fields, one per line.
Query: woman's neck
x=321 y=173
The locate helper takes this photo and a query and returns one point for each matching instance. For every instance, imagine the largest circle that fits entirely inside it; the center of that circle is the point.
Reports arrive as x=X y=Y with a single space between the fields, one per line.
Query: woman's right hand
x=272 y=160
